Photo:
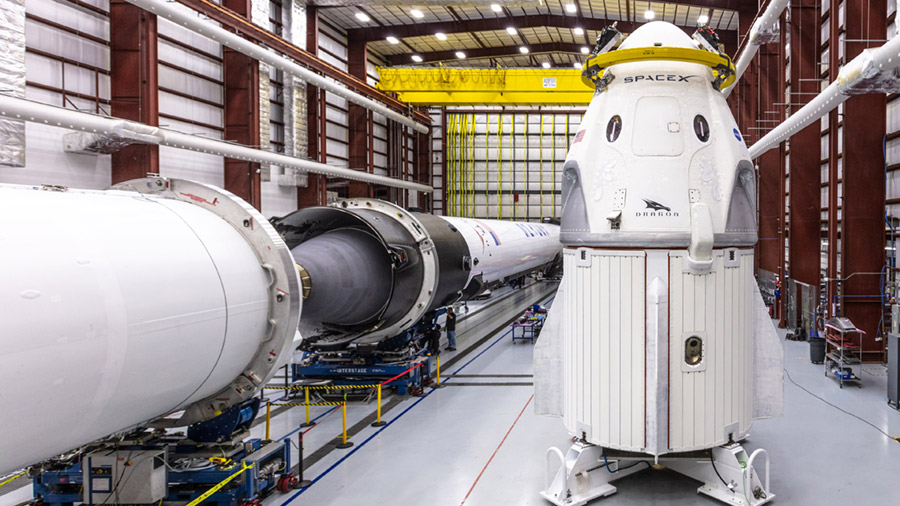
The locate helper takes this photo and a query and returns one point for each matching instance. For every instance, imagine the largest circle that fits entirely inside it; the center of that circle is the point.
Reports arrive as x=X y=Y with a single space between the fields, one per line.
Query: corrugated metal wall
x=502 y=164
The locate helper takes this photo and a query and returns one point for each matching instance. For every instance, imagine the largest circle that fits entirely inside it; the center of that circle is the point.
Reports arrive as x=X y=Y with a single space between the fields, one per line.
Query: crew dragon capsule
x=657 y=347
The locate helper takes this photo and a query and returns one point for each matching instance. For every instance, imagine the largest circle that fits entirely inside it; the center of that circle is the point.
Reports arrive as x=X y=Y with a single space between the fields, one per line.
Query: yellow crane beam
x=469 y=86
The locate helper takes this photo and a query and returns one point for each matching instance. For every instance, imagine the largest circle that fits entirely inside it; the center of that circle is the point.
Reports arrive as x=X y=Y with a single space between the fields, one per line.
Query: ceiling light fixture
x=585 y=50
x=393 y=40
x=546 y=65
x=416 y=13
x=496 y=8
x=703 y=19
x=523 y=49
x=460 y=55
x=416 y=58
x=441 y=36
x=511 y=30
x=362 y=16
x=571 y=8
x=578 y=30
x=648 y=15
x=577 y=65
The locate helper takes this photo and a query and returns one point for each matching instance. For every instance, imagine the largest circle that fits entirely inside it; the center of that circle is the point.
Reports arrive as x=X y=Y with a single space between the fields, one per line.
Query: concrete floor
x=480 y=444
x=477 y=441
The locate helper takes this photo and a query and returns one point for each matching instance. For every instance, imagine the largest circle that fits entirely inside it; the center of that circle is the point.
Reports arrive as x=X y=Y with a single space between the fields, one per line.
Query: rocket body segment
x=435 y=261
x=122 y=307
x=502 y=249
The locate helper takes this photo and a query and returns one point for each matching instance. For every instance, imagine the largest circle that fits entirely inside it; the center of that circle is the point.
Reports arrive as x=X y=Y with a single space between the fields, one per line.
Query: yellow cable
x=553 y=162
x=512 y=167
x=464 y=166
x=487 y=159
x=542 y=167
x=499 y=168
x=205 y=495
x=474 y=133
x=525 y=192
x=451 y=120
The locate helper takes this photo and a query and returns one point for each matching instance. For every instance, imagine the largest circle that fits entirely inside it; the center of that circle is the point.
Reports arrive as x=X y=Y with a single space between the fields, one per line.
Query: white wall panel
x=278 y=200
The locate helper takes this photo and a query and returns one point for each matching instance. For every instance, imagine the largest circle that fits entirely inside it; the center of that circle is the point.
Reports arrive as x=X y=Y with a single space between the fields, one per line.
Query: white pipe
x=768 y=18
x=123 y=306
x=189 y=20
x=19 y=108
x=864 y=68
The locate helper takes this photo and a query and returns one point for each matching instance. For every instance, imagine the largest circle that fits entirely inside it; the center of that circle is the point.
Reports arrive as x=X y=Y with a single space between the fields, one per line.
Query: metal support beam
x=487 y=52
x=316 y=192
x=833 y=153
x=29 y=110
x=423 y=167
x=241 y=78
x=771 y=11
x=358 y=119
x=262 y=37
x=771 y=169
x=744 y=105
x=715 y=4
x=134 y=84
x=500 y=24
x=862 y=233
x=805 y=160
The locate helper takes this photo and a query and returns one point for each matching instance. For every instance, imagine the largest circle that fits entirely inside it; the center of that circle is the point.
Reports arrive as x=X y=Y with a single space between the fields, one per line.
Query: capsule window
x=614 y=128
x=701 y=128
x=693 y=350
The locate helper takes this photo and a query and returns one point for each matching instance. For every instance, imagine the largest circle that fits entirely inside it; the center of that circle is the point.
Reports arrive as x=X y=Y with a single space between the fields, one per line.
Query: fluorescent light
x=393 y=40
x=416 y=13
x=496 y=8
x=546 y=65
x=511 y=30
x=648 y=15
x=703 y=19
x=578 y=30
x=441 y=36
x=577 y=65
x=416 y=58
x=523 y=49
x=571 y=8
x=362 y=16
x=460 y=55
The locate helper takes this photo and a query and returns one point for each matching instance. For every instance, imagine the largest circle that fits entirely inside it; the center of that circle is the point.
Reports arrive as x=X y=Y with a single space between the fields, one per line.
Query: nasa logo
x=659 y=77
x=656 y=209
x=737 y=135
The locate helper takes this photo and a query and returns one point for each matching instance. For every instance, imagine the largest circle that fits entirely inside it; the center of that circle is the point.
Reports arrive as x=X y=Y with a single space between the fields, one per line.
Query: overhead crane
x=495 y=86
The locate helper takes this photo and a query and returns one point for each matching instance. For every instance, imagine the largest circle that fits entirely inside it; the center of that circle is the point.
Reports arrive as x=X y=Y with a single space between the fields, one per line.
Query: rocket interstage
x=373 y=269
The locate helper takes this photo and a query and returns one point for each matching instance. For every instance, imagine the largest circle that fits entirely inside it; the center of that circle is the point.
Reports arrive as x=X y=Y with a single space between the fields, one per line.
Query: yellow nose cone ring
x=721 y=65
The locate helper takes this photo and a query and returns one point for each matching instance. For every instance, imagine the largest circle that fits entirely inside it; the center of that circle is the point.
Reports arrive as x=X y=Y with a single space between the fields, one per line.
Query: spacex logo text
x=659 y=77
x=656 y=209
